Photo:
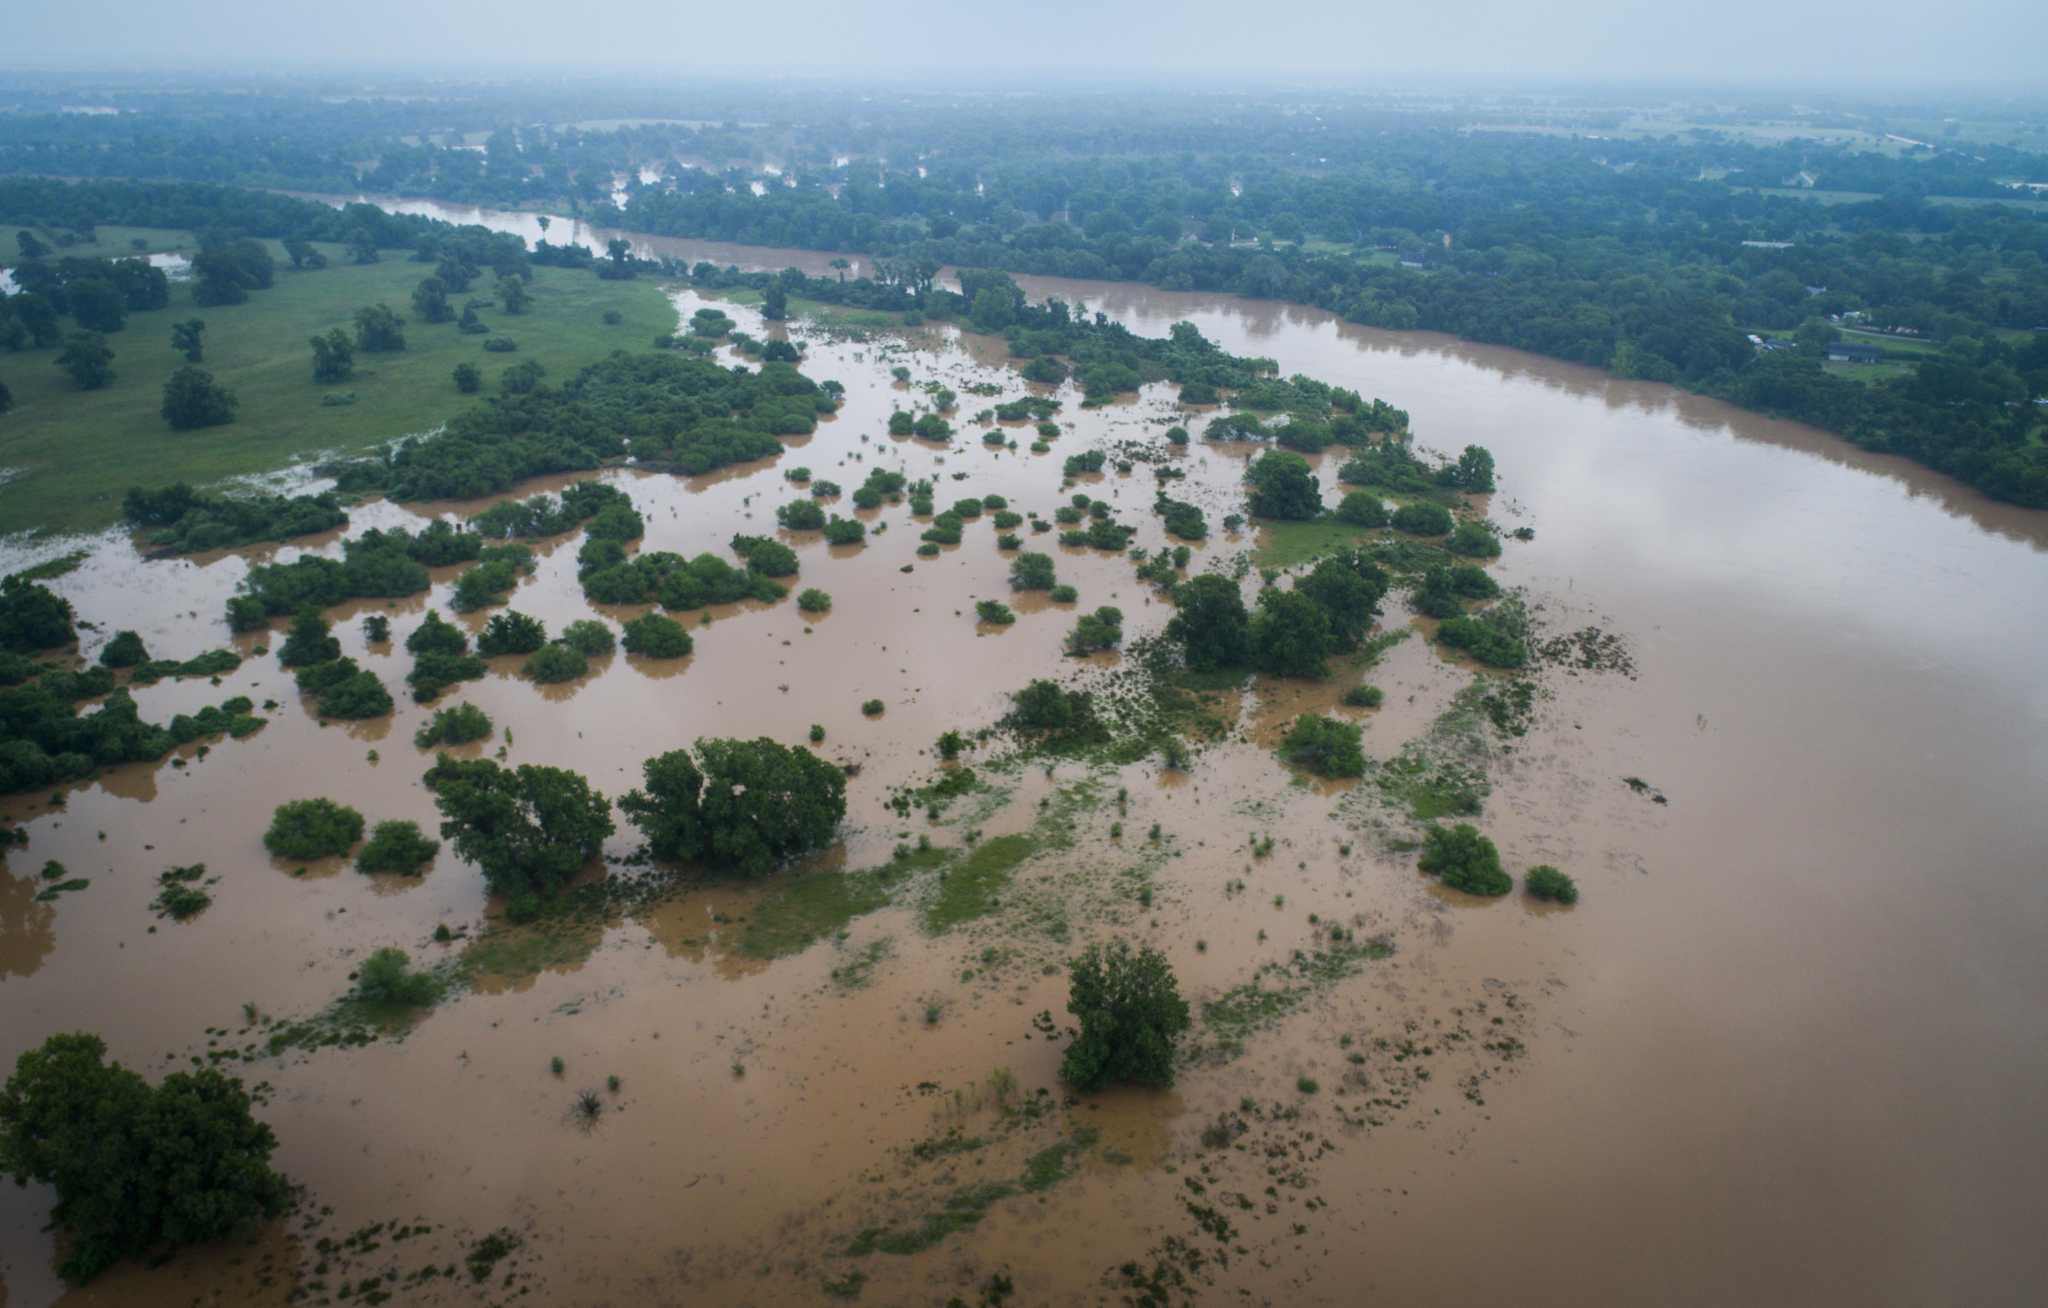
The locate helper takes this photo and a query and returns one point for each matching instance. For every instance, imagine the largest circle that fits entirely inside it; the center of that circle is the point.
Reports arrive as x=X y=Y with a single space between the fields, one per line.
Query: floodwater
x=1787 y=1048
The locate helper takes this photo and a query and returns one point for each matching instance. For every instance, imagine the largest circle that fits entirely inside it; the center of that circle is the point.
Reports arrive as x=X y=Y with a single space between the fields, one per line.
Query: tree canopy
x=138 y=1169
x=742 y=806
x=530 y=829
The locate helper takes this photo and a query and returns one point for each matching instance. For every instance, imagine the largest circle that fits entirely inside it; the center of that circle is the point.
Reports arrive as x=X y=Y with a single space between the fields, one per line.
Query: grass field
x=69 y=455
x=1286 y=544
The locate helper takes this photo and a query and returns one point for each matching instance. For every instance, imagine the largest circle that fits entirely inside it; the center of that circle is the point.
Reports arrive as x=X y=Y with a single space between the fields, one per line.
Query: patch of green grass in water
x=1285 y=544
x=963 y=1209
x=860 y=969
x=970 y=888
x=810 y=908
x=1278 y=989
x=49 y=569
x=519 y=951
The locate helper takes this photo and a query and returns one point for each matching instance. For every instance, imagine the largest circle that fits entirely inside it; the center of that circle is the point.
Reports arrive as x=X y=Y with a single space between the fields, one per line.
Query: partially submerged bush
x=554 y=662
x=1364 y=697
x=1100 y=630
x=656 y=637
x=1324 y=746
x=589 y=637
x=994 y=611
x=1474 y=540
x=1130 y=1013
x=529 y=829
x=386 y=978
x=125 y=650
x=1422 y=518
x=511 y=632
x=1032 y=571
x=1210 y=623
x=138 y=1170
x=814 y=600
x=1464 y=860
x=454 y=726
x=397 y=848
x=740 y=805
x=1362 y=509
x=1546 y=882
x=312 y=828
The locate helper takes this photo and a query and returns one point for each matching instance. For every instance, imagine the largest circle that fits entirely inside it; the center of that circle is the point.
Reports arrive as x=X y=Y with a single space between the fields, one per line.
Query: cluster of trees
x=183 y=520
x=1293 y=631
x=1652 y=257
x=138 y=1169
x=734 y=806
x=665 y=409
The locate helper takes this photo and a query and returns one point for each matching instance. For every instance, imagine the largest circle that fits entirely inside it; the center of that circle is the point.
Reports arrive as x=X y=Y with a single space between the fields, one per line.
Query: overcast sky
x=1895 y=44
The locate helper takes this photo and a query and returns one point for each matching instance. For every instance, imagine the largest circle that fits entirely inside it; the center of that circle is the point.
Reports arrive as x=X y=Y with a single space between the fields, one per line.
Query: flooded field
x=1787 y=1048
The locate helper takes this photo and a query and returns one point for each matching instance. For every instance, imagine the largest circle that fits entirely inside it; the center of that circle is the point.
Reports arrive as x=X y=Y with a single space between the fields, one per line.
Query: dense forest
x=1658 y=256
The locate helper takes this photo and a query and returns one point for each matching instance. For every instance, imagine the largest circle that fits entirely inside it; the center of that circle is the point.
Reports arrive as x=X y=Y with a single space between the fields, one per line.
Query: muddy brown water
x=1788 y=1047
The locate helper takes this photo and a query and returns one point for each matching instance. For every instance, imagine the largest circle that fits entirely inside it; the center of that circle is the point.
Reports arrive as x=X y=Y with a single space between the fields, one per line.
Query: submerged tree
x=531 y=830
x=740 y=805
x=1131 y=1013
x=138 y=1169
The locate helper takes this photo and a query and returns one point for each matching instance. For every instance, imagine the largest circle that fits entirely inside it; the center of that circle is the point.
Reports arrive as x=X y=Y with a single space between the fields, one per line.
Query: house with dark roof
x=1844 y=352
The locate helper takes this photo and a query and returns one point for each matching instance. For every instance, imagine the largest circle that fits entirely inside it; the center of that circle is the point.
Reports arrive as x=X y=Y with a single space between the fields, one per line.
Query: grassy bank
x=71 y=454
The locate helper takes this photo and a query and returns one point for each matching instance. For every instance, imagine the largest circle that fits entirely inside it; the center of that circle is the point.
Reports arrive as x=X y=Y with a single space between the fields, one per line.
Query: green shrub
x=138 y=1170
x=308 y=642
x=1032 y=571
x=125 y=650
x=358 y=696
x=1325 y=746
x=1464 y=860
x=739 y=805
x=1546 y=882
x=312 y=828
x=437 y=635
x=814 y=600
x=1130 y=1013
x=871 y=708
x=1065 y=595
x=454 y=726
x=511 y=632
x=845 y=531
x=768 y=558
x=1474 y=540
x=1364 y=697
x=1210 y=623
x=530 y=829
x=1290 y=635
x=1422 y=519
x=397 y=848
x=1362 y=509
x=386 y=978
x=801 y=515
x=589 y=637
x=994 y=611
x=554 y=662
x=1498 y=637
x=1283 y=487
x=1100 y=630
x=656 y=637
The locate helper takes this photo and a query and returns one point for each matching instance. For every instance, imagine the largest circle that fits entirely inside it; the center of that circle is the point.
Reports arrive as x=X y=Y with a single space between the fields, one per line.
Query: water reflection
x=27 y=928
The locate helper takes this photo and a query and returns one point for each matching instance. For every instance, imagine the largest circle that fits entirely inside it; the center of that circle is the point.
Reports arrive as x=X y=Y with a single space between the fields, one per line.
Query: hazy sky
x=1899 y=44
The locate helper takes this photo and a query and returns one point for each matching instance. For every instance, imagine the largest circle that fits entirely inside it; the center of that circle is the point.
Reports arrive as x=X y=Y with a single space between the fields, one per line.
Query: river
x=1788 y=1048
